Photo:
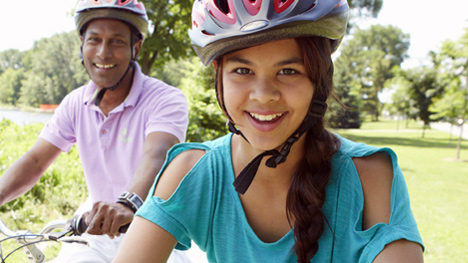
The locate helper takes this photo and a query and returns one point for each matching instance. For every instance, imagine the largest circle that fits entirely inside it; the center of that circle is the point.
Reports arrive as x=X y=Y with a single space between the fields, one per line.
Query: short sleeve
x=187 y=213
x=402 y=224
x=59 y=130
x=169 y=115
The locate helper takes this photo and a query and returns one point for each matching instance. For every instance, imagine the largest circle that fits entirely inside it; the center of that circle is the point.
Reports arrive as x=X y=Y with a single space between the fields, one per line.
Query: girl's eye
x=243 y=71
x=288 y=71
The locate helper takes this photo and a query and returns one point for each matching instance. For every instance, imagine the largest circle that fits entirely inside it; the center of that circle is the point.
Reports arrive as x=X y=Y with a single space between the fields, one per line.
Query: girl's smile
x=266 y=96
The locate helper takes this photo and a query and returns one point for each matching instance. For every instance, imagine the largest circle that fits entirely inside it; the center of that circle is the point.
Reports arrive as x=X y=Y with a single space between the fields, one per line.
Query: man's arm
x=106 y=218
x=24 y=173
x=154 y=153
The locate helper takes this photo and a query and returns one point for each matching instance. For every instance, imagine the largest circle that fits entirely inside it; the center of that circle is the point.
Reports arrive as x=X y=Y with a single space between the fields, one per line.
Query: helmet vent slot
x=222 y=6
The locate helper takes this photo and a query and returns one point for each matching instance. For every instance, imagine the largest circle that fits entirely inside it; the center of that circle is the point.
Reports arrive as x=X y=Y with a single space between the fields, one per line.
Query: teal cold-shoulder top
x=206 y=209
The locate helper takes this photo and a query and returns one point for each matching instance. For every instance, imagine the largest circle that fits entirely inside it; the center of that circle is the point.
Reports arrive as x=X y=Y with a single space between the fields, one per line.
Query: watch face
x=132 y=198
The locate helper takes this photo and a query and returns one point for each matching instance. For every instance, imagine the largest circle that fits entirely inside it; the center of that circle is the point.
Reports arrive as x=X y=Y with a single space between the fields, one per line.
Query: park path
x=447 y=127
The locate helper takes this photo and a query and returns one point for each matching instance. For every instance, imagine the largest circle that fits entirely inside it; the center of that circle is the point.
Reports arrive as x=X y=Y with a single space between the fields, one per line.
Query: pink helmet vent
x=228 y=18
x=253 y=6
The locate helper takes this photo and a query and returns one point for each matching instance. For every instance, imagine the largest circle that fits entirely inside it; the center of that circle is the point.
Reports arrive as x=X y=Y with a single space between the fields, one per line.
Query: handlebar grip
x=79 y=226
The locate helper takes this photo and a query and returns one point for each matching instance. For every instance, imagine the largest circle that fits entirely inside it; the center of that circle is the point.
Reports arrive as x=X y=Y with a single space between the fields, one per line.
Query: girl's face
x=267 y=92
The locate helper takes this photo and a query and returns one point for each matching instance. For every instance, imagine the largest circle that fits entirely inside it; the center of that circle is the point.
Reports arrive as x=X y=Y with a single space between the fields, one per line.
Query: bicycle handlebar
x=71 y=230
x=79 y=226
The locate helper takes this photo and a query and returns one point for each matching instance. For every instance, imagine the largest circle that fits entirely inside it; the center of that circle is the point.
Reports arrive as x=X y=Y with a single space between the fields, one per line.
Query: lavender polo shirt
x=111 y=147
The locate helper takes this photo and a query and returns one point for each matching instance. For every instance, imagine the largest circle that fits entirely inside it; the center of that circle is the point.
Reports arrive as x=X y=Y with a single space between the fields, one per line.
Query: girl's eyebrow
x=294 y=60
x=239 y=60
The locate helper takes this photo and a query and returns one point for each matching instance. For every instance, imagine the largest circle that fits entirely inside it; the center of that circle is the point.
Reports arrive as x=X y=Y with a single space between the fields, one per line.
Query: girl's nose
x=264 y=91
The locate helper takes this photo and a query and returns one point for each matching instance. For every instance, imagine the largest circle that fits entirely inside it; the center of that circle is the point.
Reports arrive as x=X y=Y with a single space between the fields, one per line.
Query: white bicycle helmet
x=129 y=11
x=221 y=26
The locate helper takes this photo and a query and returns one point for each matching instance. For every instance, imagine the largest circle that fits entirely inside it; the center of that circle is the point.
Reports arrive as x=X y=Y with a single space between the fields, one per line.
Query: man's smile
x=101 y=66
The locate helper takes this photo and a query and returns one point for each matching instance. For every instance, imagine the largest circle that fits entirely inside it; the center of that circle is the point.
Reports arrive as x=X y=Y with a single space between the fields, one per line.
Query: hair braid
x=306 y=194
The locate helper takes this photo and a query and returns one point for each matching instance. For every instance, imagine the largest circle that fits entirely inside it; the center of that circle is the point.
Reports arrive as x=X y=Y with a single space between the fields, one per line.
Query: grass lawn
x=437 y=183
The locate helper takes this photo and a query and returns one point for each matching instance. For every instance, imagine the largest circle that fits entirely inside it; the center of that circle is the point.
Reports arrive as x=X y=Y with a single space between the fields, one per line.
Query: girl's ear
x=215 y=64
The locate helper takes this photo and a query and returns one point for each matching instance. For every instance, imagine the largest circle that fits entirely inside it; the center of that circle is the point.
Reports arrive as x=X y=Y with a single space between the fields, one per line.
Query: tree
x=11 y=58
x=206 y=120
x=370 y=56
x=53 y=69
x=167 y=37
x=423 y=88
x=10 y=85
x=344 y=84
x=453 y=60
x=360 y=9
x=401 y=106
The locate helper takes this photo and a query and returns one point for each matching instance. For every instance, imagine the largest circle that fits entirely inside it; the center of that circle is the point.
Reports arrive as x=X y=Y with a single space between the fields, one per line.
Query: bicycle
x=71 y=231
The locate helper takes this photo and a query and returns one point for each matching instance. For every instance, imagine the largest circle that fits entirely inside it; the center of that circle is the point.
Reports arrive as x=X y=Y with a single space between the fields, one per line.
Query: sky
x=428 y=22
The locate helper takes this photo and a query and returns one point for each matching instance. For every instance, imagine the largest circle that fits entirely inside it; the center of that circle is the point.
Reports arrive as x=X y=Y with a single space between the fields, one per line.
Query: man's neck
x=113 y=98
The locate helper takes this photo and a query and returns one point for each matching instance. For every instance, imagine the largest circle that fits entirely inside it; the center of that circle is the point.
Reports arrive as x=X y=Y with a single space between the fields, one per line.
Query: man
x=122 y=121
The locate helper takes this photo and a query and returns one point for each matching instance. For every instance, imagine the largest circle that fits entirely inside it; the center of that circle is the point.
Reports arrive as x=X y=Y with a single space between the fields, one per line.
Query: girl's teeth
x=265 y=117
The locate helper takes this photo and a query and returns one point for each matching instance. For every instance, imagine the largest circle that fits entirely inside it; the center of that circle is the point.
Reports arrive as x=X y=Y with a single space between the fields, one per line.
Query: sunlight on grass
x=438 y=185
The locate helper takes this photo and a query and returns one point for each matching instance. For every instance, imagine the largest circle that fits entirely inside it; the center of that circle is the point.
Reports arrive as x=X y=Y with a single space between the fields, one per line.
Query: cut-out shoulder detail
x=176 y=171
x=376 y=175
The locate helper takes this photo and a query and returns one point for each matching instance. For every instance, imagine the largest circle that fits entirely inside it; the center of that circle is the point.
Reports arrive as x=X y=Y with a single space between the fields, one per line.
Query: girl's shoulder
x=182 y=158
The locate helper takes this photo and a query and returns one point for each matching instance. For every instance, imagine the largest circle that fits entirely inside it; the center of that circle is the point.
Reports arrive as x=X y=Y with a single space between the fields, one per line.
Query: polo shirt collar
x=132 y=97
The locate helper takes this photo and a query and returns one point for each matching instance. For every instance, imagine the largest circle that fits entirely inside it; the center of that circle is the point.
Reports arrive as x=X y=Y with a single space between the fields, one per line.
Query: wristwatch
x=130 y=200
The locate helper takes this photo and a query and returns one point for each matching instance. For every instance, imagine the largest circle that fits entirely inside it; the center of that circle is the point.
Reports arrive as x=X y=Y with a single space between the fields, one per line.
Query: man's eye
x=243 y=71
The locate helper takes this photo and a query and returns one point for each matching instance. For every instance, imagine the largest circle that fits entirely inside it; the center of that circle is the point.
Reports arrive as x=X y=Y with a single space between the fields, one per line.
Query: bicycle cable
x=16 y=249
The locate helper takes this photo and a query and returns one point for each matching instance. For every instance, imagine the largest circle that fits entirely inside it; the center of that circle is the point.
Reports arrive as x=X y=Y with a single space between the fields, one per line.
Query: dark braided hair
x=306 y=194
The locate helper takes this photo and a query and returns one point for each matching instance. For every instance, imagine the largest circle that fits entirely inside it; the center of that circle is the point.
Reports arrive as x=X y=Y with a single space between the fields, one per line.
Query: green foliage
x=10 y=85
x=206 y=120
x=368 y=59
x=167 y=38
x=58 y=193
x=453 y=62
x=422 y=87
x=53 y=69
x=344 y=84
x=362 y=9
x=11 y=58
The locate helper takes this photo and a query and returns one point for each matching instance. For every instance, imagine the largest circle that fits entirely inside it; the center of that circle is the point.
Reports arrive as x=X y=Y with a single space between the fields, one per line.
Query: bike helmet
x=129 y=11
x=219 y=27
x=222 y=26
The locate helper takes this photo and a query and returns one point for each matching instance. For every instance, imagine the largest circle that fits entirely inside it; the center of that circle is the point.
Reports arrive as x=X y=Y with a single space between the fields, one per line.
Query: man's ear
x=81 y=48
x=137 y=48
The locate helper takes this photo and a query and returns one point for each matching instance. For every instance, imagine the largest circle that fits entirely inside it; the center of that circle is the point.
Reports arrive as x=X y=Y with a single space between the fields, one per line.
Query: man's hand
x=107 y=218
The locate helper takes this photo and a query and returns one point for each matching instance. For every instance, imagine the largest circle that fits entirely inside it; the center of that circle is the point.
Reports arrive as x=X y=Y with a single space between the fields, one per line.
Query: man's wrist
x=130 y=200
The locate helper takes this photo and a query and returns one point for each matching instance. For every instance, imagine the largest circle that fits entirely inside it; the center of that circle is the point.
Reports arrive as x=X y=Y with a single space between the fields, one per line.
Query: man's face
x=107 y=51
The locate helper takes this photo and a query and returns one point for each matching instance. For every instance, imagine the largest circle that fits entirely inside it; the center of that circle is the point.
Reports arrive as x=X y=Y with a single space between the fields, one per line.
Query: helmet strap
x=100 y=94
x=242 y=182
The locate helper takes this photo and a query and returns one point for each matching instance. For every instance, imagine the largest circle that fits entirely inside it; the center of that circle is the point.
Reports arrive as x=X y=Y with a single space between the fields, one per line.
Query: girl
x=301 y=193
